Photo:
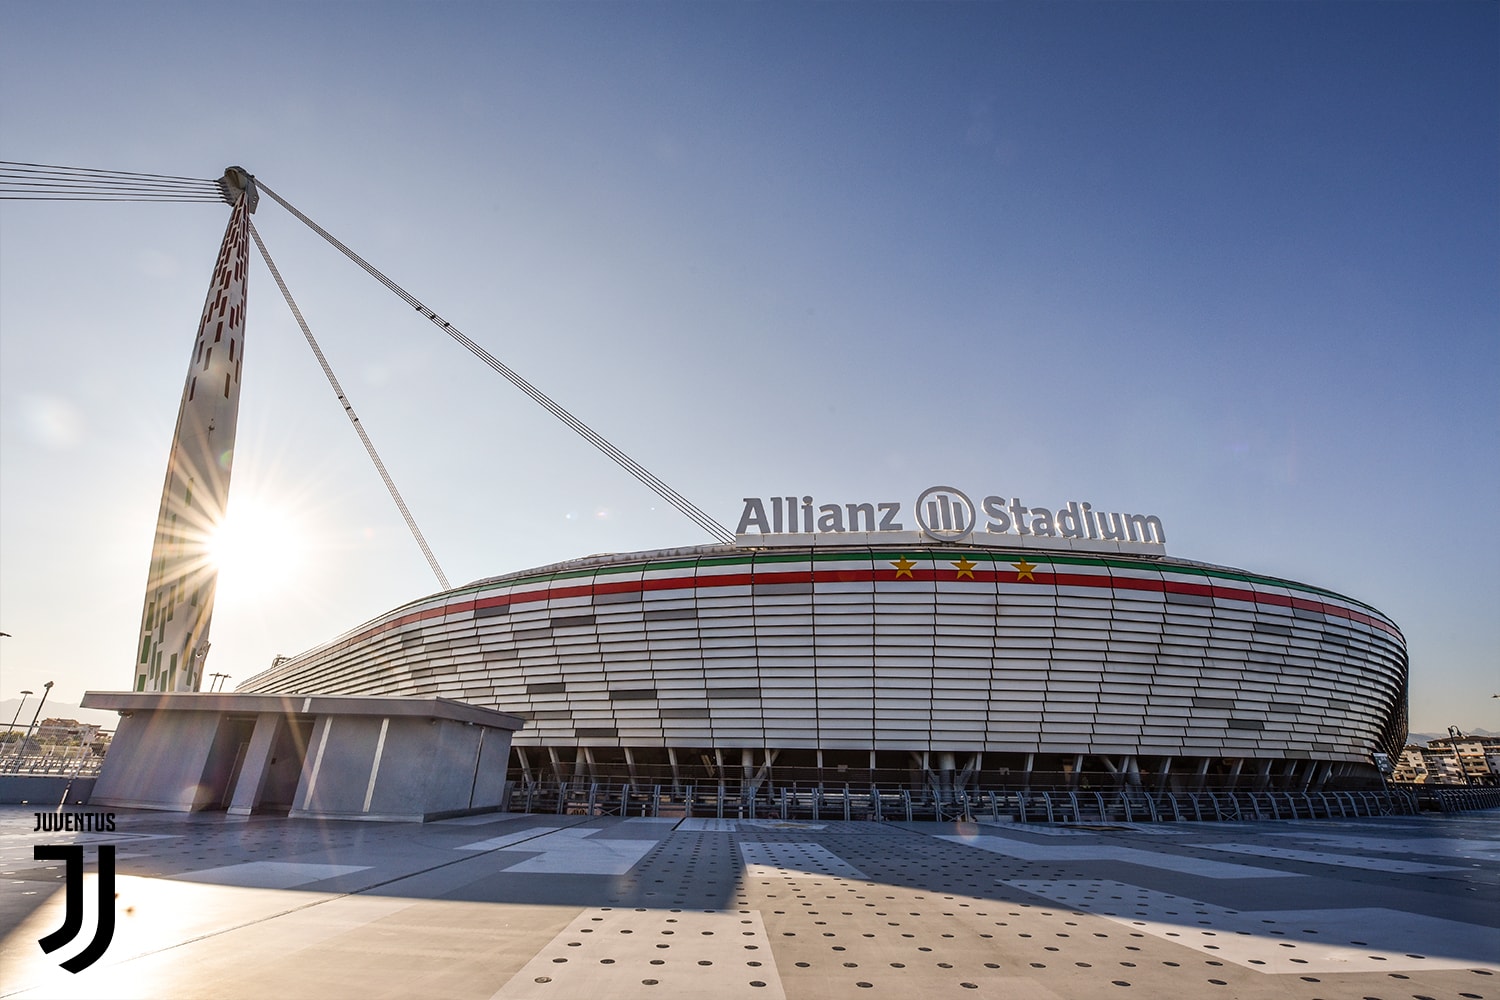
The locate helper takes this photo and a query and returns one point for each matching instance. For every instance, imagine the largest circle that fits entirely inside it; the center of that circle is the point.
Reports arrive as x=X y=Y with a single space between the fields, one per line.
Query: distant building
x=1450 y=760
x=1412 y=767
x=66 y=731
x=1468 y=759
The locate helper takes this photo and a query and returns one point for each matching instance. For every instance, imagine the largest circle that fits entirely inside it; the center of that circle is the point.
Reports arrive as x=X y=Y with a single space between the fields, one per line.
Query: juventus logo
x=73 y=917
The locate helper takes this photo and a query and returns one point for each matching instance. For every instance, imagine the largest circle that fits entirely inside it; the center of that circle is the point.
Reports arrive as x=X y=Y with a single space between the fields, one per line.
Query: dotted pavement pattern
x=516 y=907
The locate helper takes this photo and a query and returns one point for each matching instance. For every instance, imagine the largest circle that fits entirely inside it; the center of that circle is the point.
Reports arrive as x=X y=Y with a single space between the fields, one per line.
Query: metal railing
x=74 y=761
x=1450 y=799
x=736 y=800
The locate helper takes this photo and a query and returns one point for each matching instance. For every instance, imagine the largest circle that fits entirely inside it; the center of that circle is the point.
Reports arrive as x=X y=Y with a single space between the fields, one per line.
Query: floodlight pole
x=24 y=695
x=46 y=690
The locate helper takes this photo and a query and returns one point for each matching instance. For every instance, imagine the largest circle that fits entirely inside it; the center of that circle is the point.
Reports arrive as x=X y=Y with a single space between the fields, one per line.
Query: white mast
x=182 y=578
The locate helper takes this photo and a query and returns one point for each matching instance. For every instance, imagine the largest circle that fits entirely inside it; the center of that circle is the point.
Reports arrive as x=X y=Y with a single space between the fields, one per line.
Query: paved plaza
x=552 y=907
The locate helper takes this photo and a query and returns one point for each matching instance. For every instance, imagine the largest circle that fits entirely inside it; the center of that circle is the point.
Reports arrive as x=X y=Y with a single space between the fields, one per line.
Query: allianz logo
x=947 y=514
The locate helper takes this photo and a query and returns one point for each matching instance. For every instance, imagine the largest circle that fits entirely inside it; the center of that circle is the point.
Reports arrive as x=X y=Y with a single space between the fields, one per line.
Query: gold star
x=903 y=568
x=965 y=568
x=1023 y=571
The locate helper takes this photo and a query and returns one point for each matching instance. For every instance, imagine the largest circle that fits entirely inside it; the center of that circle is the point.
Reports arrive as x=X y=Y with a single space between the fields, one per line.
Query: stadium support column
x=182 y=578
x=1263 y=776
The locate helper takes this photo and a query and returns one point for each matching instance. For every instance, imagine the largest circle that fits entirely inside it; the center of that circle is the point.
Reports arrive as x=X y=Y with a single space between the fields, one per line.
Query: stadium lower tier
x=939 y=665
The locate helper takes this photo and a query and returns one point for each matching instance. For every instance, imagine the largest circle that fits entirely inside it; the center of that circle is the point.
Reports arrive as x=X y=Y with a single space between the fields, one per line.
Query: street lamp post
x=1454 y=735
x=24 y=696
x=46 y=690
x=1385 y=766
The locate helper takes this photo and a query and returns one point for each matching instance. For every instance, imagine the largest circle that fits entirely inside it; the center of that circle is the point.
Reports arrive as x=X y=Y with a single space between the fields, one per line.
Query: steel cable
x=359 y=428
x=609 y=450
x=20 y=181
x=46 y=182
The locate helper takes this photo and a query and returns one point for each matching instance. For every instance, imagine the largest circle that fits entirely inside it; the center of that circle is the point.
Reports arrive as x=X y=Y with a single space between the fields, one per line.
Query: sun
x=258 y=549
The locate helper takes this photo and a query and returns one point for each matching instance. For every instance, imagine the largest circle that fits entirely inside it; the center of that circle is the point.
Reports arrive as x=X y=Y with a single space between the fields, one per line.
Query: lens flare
x=257 y=549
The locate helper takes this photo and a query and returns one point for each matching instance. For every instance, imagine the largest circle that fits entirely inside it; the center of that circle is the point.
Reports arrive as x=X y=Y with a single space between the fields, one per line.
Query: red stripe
x=1178 y=587
x=797 y=576
x=842 y=576
x=1081 y=580
x=1224 y=593
x=1010 y=577
x=1137 y=583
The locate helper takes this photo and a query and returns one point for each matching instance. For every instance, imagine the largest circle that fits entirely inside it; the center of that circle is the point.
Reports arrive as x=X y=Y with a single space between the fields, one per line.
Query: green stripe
x=881 y=555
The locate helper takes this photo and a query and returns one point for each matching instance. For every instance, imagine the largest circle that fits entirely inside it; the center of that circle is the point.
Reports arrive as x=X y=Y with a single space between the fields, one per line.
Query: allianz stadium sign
x=945 y=514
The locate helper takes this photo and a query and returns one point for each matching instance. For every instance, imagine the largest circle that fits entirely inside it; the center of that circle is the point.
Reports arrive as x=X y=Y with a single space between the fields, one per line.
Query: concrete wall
x=409 y=769
x=46 y=791
x=334 y=767
x=490 y=786
x=450 y=770
x=405 y=770
x=156 y=761
x=223 y=759
x=285 y=767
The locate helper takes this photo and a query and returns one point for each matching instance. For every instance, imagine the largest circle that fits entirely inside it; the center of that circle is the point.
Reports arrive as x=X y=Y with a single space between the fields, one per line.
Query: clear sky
x=1233 y=264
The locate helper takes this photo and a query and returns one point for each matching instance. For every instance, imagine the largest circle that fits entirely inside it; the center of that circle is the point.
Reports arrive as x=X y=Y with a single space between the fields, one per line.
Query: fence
x=1448 y=799
x=71 y=761
x=731 y=800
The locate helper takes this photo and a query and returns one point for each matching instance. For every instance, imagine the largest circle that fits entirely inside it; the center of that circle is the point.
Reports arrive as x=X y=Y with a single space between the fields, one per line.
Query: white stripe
x=1203 y=867
x=312 y=779
x=375 y=766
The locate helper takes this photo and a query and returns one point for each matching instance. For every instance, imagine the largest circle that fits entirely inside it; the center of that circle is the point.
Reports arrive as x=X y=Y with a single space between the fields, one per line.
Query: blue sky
x=1233 y=264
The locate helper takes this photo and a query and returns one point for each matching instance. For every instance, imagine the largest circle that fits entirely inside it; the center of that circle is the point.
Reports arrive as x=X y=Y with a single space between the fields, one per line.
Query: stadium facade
x=861 y=658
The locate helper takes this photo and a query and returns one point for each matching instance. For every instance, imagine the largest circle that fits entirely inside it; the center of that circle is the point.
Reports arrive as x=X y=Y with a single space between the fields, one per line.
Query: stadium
x=818 y=646
x=811 y=662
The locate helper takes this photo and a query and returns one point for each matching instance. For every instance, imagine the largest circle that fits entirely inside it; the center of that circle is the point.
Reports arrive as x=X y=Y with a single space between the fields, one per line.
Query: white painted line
x=1359 y=939
x=780 y=858
x=1442 y=847
x=495 y=843
x=1204 y=867
x=480 y=820
x=385 y=724
x=572 y=852
x=312 y=779
x=699 y=824
x=269 y=874
x=1341 y=860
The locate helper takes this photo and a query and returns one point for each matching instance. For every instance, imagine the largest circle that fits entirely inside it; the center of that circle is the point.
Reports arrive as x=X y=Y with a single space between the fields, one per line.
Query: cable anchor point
x=237 y=180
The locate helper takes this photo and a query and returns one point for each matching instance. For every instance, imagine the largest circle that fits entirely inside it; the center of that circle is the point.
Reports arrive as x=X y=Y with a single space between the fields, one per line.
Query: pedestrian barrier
x=762 y=801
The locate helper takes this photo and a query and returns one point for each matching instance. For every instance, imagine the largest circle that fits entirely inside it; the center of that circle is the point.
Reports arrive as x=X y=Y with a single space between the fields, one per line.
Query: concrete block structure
x=375 y=758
